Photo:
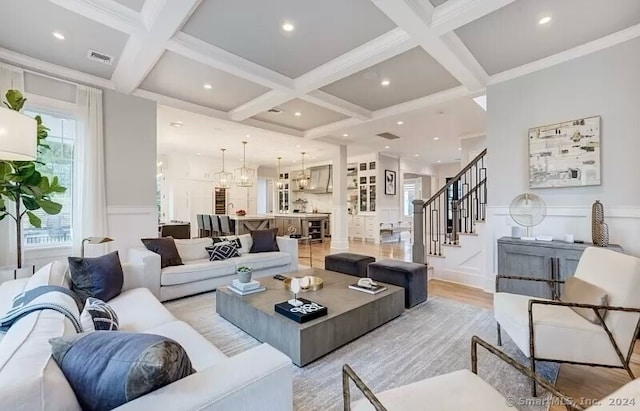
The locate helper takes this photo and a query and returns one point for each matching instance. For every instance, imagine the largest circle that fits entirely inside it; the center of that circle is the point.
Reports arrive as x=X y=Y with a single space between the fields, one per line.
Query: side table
x=308 y=242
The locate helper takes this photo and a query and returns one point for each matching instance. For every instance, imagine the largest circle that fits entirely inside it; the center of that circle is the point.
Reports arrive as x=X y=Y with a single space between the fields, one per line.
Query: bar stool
x=200 y=220
x=225 y=225
x=206 y=222
x=215 y=225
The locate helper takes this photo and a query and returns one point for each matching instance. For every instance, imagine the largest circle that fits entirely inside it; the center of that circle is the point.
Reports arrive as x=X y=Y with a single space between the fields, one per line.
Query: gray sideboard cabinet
x=540 y=259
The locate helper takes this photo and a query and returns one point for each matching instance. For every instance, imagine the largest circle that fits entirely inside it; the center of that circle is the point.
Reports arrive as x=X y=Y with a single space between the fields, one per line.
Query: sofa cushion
x=261 y=261
x=582 y=292
x=99 y=277
x=107 y=369
x=55 y=273
x=223 y=251
x=139 y=310
x=197 y=270
x=193 y=249
x=245 y=242
x=202 y=353
x=165 y=248
x=98 y=316
x=264 y=241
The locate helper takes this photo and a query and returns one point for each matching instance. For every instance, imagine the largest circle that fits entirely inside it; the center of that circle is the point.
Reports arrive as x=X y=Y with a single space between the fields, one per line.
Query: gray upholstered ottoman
x=411 y=276
x=348 y=263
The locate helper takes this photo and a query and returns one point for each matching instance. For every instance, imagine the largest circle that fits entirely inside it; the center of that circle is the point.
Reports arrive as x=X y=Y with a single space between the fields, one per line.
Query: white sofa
x=30 y=380
x=198 y=274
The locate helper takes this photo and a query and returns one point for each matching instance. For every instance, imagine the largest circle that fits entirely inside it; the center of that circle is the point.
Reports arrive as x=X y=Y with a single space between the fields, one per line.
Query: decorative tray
x=307 y=283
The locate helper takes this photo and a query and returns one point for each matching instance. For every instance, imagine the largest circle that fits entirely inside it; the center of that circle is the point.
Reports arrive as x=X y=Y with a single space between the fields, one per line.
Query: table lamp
x=18 y=132
x=93 y=240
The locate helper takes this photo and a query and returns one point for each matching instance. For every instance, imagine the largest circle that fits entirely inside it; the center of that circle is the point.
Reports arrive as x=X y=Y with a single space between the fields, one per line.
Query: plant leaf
x=15 y=99
x=34 y=220
x=50 y=207
x=30 y=203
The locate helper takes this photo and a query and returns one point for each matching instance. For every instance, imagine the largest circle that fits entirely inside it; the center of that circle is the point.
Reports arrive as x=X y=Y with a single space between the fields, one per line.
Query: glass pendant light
x=223 y=179
x=280 y=182
x=303 y=178
x=244 y=175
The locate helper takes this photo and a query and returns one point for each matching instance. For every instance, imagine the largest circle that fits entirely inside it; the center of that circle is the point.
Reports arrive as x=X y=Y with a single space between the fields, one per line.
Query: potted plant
x=22 y=187
x=244 y=274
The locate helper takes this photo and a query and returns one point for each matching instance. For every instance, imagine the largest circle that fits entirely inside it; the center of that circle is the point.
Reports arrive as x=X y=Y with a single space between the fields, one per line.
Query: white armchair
x=549 y=330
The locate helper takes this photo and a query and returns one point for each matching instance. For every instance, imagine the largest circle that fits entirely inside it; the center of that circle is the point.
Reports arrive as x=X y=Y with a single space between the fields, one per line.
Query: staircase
x=449 y=226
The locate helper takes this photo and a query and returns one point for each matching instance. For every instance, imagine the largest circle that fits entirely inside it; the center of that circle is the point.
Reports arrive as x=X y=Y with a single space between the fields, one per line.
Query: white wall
x=130 y=137
x=606 y=83
x=471 y=147
x=388 y=206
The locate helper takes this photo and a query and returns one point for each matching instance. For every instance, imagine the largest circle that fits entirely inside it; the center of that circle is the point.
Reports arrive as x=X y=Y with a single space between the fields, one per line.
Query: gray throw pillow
x=166 y=248
x=99 y=277
x=98 y=316
x=264 y=241
x=107 y=369
x=582 y=292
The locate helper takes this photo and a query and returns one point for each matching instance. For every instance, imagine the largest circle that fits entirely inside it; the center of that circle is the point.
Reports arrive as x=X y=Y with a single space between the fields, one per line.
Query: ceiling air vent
x=100 y=57
x=388 y=136
x=275 y=111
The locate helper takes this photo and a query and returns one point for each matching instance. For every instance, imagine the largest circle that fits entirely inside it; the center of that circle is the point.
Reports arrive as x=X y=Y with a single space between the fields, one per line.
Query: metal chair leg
x=499 y=335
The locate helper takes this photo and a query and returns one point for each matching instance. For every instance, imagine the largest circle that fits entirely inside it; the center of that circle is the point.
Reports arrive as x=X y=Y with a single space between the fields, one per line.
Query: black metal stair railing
x=456 y=207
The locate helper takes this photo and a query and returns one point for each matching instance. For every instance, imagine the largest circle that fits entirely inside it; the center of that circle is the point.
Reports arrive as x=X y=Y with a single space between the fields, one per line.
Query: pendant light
x=281 y=181
x=244 y=175
x=303 y=178
x=223 y=179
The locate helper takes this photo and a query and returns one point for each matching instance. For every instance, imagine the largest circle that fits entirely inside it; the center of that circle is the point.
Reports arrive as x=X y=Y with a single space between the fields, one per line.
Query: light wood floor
x=576 y=381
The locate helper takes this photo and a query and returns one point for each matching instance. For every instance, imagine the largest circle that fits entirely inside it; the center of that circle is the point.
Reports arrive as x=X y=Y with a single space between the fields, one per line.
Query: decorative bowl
x=241 y=213
x=307 y=283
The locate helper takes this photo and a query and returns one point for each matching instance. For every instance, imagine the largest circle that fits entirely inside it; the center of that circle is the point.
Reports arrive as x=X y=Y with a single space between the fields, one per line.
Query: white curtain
x=89 y=197
x=10 y=77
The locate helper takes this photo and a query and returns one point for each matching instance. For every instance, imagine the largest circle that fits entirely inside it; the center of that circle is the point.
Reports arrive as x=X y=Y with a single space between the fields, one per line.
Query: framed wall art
x=390 y=183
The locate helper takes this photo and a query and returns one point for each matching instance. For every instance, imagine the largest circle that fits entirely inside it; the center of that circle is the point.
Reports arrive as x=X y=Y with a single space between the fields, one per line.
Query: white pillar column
x=339 y=221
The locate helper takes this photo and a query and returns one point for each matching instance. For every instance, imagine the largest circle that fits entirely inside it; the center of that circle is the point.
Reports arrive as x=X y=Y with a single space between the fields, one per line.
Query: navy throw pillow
x=98 y=277
x=107 y=369
x=222 y=251
x=264 y=241
x=166 y=248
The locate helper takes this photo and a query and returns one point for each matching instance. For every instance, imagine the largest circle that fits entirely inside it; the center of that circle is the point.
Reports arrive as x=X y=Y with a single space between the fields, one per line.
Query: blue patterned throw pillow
x=222 y=251
x=98 y=316
x=107 y=369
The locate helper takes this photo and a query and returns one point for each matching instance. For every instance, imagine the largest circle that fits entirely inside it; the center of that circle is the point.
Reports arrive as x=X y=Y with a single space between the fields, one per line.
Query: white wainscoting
x=127 y=225
x=623 y=222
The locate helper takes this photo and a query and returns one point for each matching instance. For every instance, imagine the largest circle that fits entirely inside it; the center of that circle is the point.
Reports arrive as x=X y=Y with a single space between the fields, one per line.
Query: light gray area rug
x=431 y=339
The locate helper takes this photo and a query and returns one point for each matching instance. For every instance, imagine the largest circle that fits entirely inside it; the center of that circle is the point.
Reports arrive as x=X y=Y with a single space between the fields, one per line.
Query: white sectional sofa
x=198 y=274
x=30 y=380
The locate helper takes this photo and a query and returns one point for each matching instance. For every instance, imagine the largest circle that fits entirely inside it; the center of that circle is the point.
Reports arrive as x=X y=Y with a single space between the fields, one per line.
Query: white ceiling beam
x=107 y=12
x=414 y=17
x=379 y=49
x=326 y=100
x=210 y=55
x=54 y=69
x=163 y=19
x=402 y=108
x=453 y=14
x=564 y=56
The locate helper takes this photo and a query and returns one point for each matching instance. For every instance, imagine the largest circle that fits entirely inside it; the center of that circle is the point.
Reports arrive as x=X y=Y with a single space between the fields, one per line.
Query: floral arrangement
x=241 y=212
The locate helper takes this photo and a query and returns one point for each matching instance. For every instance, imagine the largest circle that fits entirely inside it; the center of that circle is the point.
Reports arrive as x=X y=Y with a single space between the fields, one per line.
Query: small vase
x=602 y=235
x=599 y=229
x=244 y=276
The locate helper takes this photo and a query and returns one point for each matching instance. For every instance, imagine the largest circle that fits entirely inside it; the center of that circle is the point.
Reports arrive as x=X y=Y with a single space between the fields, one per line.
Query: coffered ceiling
x=343 y=65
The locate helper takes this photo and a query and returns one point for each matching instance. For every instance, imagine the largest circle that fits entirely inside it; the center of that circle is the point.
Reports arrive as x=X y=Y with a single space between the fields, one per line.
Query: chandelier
x=280 y=181
x=303 y=177
x=244 y=175
x=223 y=179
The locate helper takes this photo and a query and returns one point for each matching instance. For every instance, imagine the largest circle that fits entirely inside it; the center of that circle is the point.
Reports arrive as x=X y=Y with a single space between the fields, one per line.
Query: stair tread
x=472 y=234
x=435 y=256
x=452 y=245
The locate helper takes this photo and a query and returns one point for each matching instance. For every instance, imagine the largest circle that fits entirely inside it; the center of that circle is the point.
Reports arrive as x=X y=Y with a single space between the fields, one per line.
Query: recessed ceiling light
x=436 y=138
x=297 y=114
x=208 y=86
x=159 y=163
x=176 y=123
x=544 y=20
x=298 y=146
x=459 y=148
x=400 y=123
x=345 y=135
x=385 y=83
x=288 y=27
x=198 y=154
x=386 y=147
x=416 y=155
x=248 y=135
x=439 y=161
x=57 y=35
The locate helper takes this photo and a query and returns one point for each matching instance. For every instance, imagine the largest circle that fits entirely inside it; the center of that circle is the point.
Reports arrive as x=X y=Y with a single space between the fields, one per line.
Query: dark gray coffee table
x=351 y=314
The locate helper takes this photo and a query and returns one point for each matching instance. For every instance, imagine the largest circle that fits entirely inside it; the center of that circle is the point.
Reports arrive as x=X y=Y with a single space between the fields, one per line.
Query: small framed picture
x=390 y=182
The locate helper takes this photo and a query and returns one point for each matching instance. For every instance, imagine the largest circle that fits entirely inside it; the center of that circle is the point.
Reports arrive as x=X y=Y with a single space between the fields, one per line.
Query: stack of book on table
x=370 y=289
x=251 y=287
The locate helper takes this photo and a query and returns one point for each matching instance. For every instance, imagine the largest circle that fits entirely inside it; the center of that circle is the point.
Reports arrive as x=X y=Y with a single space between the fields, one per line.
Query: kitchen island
x=247 y=223
x=307 y=224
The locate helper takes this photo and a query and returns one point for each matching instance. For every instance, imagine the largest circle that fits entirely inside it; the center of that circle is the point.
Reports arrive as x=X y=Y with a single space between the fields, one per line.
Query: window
x=57 y=161
x=409 y=192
